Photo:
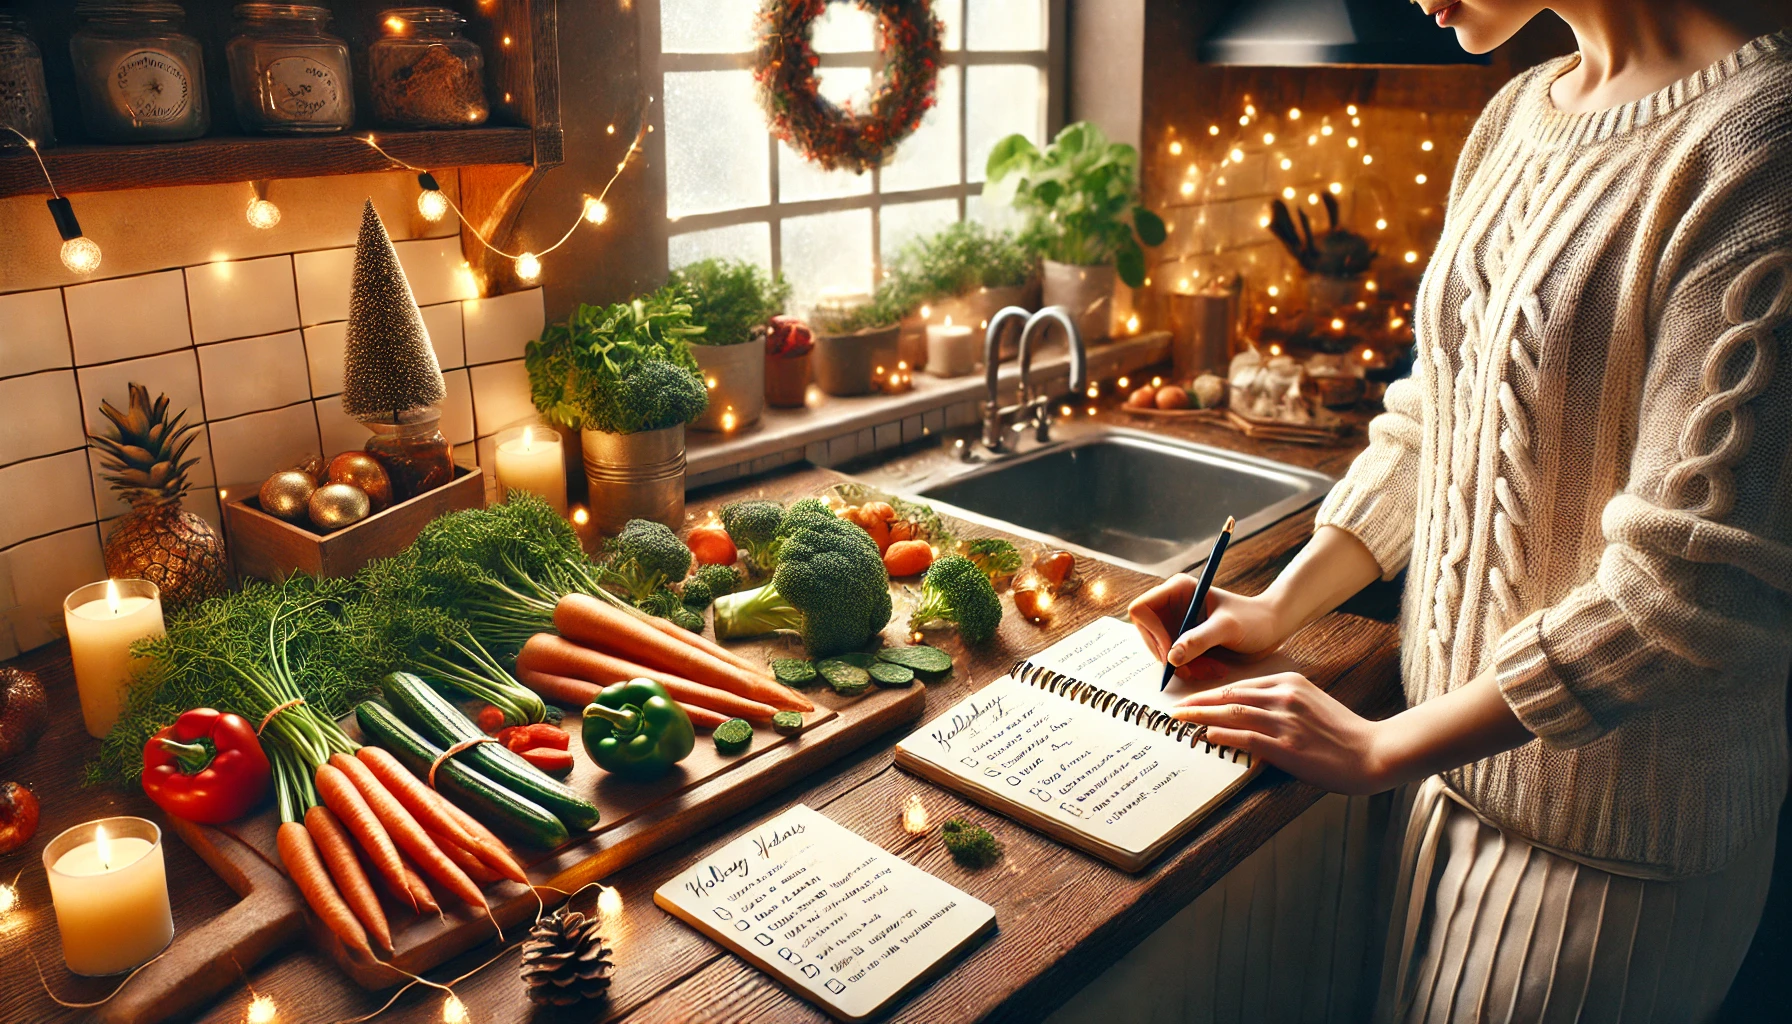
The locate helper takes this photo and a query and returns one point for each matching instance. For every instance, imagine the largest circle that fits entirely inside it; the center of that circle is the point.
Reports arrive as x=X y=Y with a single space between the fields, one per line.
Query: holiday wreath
x=832 y=134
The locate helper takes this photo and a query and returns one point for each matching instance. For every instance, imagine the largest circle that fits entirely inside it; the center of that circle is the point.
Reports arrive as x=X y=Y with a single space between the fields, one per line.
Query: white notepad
x=832 y=915
x=1077 y=743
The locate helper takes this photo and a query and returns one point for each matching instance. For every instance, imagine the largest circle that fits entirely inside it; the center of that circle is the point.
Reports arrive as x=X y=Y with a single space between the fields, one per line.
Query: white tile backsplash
x=457 y=409
x=242 y=298
x=501 y=396
x=325 y=345
x=443 y=323
x=45 y=495
x=128 y=317
x=340 y=431
x=436 y=270
x=253 y=374
x=324 y=279
x=42 y=415
x=175 y=374
x=247 y=449
x=34 y=578
x=498 y=327
x=33 y=332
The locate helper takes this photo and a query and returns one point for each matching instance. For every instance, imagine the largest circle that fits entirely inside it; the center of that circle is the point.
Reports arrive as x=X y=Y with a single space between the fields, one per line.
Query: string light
x=1325 y=130
x=1369 y=285
x=1287 y=163
x=1188 y=188
x=1237 y=156
x=528 y=268
x=261 y=1010
x=9 y=898
x=1351 y=110
x=1249 y=110
x=914 y=815
x=1288 y=193
x=453 y=1010
x=1411 y=257
x=580 y=517
x=431 y=203
x=1293 y=113
x=1426 y=145
x=80 y=254
x=1381 y=224
x=1242 y=119
x=261 y=213
x=609 y=901
x=1351 y=142
x=1367 y=159
x=1335 y=188
x=596 y=212
x=1124 y=383
x=1269 y=138
x=1175 y=149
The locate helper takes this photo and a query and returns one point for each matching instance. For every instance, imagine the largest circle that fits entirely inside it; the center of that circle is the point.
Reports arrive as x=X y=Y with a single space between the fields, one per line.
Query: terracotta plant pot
x=1086 y=293
x=847 y=364
x=786 y=381
x=735 y=375
x=635 y=476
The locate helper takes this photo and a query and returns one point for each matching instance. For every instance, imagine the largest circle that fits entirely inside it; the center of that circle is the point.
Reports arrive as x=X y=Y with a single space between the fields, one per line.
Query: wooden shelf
x=223 y=159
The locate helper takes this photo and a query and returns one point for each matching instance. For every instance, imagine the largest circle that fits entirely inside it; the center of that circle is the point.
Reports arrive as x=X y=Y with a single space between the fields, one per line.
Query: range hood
x=1284 y=33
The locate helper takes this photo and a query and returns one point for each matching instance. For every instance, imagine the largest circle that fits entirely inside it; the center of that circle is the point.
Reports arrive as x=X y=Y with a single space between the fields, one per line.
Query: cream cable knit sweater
x=1589 y=474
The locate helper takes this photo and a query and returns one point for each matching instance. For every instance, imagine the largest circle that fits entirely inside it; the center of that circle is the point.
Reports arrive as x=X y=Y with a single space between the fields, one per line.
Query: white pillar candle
x=110 y=889
x=103 y=621
x=531 y=461
x=951 y=350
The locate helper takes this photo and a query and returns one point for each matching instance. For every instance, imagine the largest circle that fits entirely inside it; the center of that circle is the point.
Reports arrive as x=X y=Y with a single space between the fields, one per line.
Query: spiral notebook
x=1077 y=742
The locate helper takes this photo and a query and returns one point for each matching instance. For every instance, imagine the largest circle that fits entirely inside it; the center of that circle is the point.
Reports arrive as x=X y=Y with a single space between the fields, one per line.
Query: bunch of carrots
x=600 y=643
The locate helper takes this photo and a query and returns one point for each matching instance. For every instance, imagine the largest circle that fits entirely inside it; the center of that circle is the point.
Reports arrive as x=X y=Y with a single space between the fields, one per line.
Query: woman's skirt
x=1487 y=927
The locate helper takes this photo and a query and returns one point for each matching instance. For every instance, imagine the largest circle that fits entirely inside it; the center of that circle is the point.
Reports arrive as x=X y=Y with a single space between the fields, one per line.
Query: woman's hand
x=1290 y=723
x=1246 y=625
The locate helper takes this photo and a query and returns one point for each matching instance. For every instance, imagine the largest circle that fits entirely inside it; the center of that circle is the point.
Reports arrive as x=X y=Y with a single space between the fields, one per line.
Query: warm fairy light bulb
x=609 y=901
x=261 y=1011
x=1188 y=188
x=580 y=517
x=596 y=212
x=1351 y=110
x=1287 y=163
x=1312 y=140
x=1325 y=130
x=1094 y=391
x=727 y=421
x=1275 y=350
x=1273 y=311
x=1396 y=323
x=1263 y=221
x=1351 y=142
x=1369 y=285
x=9 y=898
x=1337 y=324
x=1367 y=159
x=1381 y=224
x=1213 y=129
x=1157 y=382
x=1237 y=155
x=1426 y=146
x=81 y=255
x=453 y=1010
x=1124 y=382
x=1420 y=179
x=1274 y=291
x=1312 y=199
x=914 y=815
x=1288 y=193
x=1335 y=188
x=528 y=268
x=1250 y=110
x=1356 y=122
x=1132 y=327
x=1368 y=355
x=1175 y=149
x=263 y=214
x=432 y=204
x=1269 y=138
x=1411 y=257
x=710 y=383
x=1243 y=120
x=1065 y=411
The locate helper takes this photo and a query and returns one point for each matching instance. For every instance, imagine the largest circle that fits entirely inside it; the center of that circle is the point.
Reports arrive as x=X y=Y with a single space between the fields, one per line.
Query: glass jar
x=416 y=455
x=289 y=76
x=139 y=77
x=24 y=102
x=423 y=73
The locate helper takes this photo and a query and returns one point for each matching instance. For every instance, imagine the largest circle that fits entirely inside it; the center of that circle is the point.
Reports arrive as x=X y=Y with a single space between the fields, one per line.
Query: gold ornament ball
x=287 y=494
x=359 y=469
x=313 y=465
x=334 y=506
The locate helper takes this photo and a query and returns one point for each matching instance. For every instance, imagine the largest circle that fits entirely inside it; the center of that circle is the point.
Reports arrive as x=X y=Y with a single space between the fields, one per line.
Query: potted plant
x=624 y=377
x=855 y=340
x=733 y=301
x=1081 y=198
x=788 y=345
x=963 y=273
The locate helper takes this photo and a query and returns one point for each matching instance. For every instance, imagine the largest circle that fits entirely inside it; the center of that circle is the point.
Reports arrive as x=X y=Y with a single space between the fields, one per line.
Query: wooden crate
x=272 y=549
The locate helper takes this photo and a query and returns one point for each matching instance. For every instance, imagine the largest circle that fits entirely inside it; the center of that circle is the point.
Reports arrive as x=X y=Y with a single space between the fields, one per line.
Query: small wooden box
x=270 y=548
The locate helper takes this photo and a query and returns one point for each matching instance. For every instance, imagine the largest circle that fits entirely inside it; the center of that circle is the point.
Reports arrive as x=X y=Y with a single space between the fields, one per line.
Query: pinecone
x=566 y=959
x=158 y=540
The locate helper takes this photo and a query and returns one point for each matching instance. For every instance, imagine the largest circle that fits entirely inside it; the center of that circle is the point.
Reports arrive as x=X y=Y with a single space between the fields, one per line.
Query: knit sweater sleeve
x=1376 y=502
x=1690 y=595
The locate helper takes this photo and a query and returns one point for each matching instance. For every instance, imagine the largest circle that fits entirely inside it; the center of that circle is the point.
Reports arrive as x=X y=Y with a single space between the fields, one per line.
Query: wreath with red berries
x=834 y=135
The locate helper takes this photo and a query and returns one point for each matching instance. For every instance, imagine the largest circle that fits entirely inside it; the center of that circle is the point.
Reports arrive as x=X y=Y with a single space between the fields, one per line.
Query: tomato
x=712 y=546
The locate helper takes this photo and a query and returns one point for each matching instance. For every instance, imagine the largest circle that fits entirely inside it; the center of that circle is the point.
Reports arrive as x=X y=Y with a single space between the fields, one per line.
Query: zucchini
x=733 y=737
x=787 y=723
x=888 y=673
x=794 y=672
x=441 y=722
x=847 y=679
x=477 y=795
x=930 y=663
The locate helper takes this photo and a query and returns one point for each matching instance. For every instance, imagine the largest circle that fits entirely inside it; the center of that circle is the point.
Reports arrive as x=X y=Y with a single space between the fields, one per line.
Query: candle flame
x=112 y=596
x=528 y=439
x=914 y=815
x=948 y=319
x=102 y=846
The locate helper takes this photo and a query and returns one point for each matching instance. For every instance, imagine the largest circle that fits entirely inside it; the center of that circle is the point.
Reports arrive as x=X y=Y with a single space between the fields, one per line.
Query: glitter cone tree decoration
x=390 y=373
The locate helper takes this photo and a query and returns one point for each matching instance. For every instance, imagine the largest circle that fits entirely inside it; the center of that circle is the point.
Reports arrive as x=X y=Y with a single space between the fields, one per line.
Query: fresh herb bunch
x=731 y=299
x=887 y=307
x=1081 y=198
x=622 y=368
x=970 y=845
x=957 y=259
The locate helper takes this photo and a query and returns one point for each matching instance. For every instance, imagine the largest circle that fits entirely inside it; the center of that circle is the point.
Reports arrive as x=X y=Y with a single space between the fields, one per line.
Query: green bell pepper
x=636 y=730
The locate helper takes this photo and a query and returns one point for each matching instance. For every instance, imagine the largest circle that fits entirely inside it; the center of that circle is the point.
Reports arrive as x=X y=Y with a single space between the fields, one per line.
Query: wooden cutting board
x=637 y=820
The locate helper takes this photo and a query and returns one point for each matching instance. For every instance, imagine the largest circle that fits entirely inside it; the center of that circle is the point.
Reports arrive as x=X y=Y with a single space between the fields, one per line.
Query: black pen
x=1197 y=608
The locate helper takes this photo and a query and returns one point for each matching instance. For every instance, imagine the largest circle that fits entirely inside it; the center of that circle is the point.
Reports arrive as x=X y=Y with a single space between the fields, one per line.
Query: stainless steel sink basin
x=1150 y=503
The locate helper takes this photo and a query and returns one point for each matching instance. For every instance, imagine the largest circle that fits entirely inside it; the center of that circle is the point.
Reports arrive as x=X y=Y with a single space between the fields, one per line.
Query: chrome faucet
x=1031 y=406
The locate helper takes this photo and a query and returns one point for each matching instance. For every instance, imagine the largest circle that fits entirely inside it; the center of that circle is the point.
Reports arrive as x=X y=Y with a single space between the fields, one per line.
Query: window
x=733 y=190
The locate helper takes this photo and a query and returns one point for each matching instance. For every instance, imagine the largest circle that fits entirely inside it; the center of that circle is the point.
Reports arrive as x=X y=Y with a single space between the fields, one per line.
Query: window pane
x=827 y=252
x=798 y=178
x=715 y=143
x=705 y=26
x=948 y=11
x=905 y=221
x=751 y=242
x=842 y=28
x=1004 y=99
x=929 y=157
x=1007 y=24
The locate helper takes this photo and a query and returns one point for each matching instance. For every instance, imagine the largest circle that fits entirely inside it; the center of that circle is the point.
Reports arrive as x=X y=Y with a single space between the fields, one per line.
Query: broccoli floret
x=830 y=586
x=996 y=557
x=665 y=604
x=710 y=582
x=645 y=557
x=653 y=394
x=688 y=617
x=956 y=590
x=753 y=525
x=970 y=845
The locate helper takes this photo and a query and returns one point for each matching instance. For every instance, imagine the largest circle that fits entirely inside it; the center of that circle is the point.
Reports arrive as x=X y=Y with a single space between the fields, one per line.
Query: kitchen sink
x=1147 y=502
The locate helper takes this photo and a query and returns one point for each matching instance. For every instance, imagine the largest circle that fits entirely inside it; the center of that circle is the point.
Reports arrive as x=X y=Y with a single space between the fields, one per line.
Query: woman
x=1588 y=481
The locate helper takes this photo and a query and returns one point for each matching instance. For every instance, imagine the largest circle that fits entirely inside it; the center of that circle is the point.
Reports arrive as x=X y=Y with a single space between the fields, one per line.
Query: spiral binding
x=1127 y=710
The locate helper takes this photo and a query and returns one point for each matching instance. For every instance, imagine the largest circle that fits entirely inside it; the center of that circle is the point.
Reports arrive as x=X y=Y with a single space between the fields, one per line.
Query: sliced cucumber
x=733 y=736
x=888 y=673
x=794 y=672
x=847 y=679
x=930 y=663
x=788 y=723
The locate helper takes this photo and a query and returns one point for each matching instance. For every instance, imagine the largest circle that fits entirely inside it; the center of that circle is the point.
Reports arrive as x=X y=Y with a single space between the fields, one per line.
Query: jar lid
x=395 y=17
x=128 y=9
x=306 y=11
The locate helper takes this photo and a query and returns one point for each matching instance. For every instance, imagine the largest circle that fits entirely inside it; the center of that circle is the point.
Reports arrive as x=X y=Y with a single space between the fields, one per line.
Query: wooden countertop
x=1062 y=916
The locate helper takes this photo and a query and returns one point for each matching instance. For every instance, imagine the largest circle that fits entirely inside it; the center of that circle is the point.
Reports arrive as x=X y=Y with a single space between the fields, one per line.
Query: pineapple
x=158 y=540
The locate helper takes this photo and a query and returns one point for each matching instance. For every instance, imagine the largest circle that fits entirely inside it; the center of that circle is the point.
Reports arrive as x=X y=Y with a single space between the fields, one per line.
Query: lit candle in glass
x=531 y=461
x=951 y=350
x=103 y=621
x=110 y=889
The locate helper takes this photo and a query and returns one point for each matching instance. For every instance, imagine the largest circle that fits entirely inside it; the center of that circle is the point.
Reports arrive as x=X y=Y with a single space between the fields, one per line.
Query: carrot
x=702 y=643
x=416 y=889
x=406 y=833
x=306 y=869
x=486 y=846
x=417 y=798
x=557 y=656
x=341 y=796
x=465 y=860
x=908 y=557
x=583 y=618
x=338 y=853
x=703 y=718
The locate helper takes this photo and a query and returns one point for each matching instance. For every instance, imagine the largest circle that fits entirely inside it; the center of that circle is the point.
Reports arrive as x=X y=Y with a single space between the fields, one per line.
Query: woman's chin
x=1477 y=29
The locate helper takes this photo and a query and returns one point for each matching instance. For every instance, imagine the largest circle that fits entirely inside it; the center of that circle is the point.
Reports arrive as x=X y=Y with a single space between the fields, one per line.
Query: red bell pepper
x=207 y=767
